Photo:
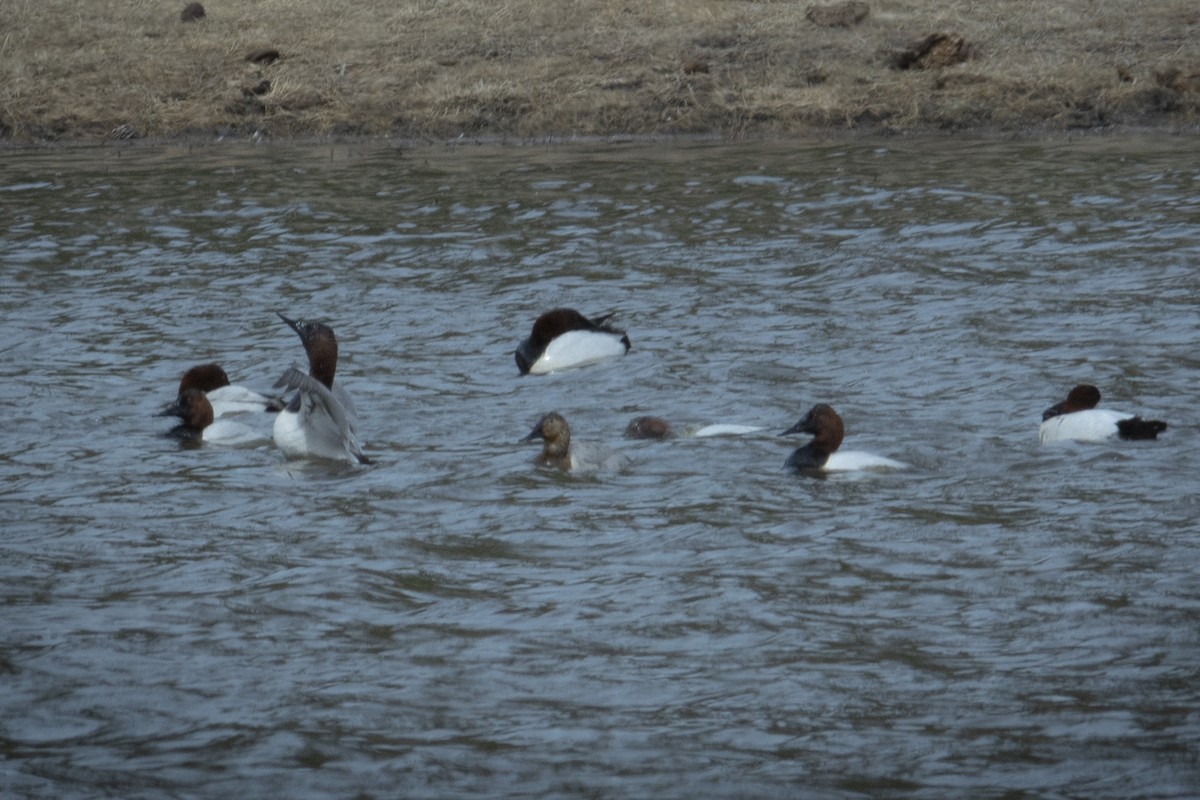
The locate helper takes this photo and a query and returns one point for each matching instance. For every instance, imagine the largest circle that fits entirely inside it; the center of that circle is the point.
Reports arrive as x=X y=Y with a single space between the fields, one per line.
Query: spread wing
x=328 y=419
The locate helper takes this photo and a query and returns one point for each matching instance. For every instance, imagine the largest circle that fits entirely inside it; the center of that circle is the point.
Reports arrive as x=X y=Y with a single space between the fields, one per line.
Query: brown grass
x=436 y=69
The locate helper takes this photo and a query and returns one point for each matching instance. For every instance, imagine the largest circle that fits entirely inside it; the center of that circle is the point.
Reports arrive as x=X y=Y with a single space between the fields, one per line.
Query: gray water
x=1002 y=619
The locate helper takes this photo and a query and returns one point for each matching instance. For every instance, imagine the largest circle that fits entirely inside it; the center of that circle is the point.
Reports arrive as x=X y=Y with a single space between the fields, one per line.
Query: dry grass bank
x=72 y=70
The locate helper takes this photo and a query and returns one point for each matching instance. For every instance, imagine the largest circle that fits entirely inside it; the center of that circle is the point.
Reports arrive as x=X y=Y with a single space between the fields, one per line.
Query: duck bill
x=525 y=356
x=799 y=427
x=171 y=410
x=1053 y=411
x=291 y=323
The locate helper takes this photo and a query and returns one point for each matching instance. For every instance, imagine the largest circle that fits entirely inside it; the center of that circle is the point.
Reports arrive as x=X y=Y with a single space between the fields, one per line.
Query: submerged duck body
x=225 y=397
x=1078 y=419
x=319 y=419
x=650 y=427
x=822 y=453
x=563 y=338
x=199 y=424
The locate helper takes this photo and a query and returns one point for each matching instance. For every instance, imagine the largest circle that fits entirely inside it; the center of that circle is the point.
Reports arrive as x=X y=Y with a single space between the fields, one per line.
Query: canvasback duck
x=564 y=338
x=560 y=452
x=224 y=397
x=319 y=419
x=555 y=434
x=822 y=454
x=650 y=427
x=1078 y=419
x=199 y=424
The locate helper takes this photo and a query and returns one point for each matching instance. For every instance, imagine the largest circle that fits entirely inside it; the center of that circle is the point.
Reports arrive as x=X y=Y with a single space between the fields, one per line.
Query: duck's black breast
x=808 y=457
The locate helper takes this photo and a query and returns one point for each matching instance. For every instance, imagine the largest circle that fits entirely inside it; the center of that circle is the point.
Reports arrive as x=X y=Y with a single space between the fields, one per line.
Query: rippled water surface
x=1001 y=620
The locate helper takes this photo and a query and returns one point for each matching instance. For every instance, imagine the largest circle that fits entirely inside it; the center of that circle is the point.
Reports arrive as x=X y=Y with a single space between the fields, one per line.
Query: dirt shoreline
x=198 y=144
x=529 y=71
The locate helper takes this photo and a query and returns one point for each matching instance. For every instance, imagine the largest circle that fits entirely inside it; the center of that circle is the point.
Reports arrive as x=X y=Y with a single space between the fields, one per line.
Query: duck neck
x=556 y=453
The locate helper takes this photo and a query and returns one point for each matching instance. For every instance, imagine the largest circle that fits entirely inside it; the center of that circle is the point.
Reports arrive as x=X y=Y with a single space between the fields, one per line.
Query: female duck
x=822 y=454
x=564 y=338
x=560 y=452
x=1077 y=418
x=555 y=434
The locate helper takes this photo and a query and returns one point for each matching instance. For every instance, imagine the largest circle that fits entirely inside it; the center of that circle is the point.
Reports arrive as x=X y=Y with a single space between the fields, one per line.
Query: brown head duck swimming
x=1078 y=419
x=822 y=453
x=224 y=397
x=199 y=424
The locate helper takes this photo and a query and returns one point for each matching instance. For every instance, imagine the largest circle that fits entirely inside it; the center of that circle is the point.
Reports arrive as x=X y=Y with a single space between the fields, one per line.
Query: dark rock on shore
x=935 y=51
x=191 y=12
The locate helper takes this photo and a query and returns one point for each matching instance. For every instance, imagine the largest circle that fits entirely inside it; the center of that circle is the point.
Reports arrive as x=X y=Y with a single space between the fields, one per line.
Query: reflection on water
x=1001 y=620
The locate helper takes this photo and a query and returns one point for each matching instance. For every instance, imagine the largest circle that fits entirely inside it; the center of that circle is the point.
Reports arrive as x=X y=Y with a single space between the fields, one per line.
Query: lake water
x=1003 y=619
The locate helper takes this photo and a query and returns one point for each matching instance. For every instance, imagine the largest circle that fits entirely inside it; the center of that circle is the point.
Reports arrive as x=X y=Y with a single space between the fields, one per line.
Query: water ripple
x=999 y=619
